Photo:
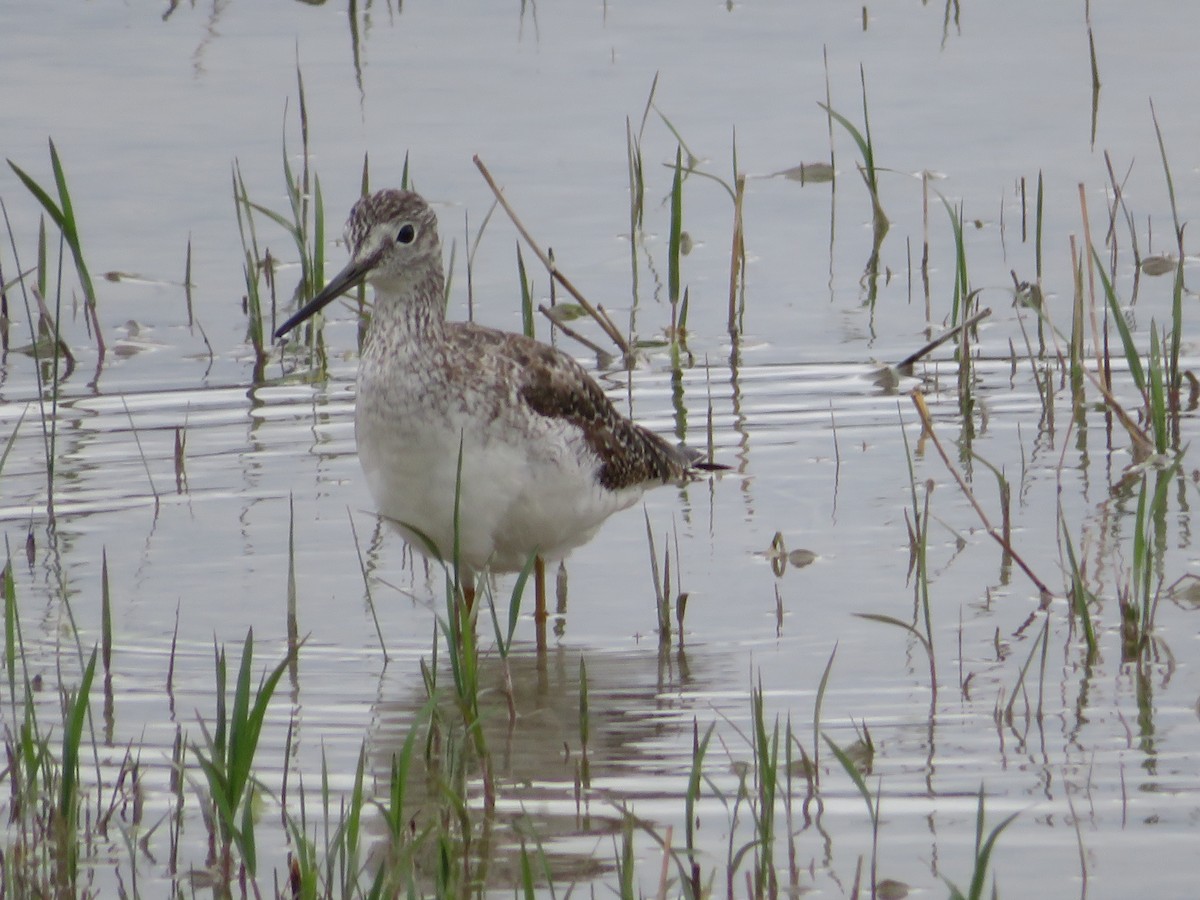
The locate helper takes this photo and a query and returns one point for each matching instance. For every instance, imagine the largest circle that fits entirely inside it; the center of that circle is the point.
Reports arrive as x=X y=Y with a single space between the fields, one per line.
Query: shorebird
x=545 y=455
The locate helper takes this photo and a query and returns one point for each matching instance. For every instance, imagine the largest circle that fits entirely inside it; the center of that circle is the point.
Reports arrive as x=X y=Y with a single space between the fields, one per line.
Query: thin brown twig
x=945 y=336
x=570 y=332
x=573 y=334
x=558 y=276
x=1144 y=446
x=927 y=423
x=665 y=871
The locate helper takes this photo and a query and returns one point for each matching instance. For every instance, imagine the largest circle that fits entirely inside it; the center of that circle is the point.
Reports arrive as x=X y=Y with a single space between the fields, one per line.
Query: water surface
x=149 y=113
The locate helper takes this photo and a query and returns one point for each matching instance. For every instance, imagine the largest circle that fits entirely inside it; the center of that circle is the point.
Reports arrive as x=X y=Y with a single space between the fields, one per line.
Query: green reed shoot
x=791 y=767
x=662 y=586
x=585 y=765
x=44 y=337
x=393 y=812
x=344 y=852
x=846 y=761
x=298 y=200
x=867 y=168
x=106 y=642
x=227 y=757
x=737 y=261
x=699 y=750
x=304 y=224
x=46 y=837
x=692 y=159
x=962 y=289
x=299 y=229
x=673 y=252
x=757 y=791
x=625 y=861
x=766 y=772
x=918 y=542
x=527 y=885
x=504 y=639
x=1158 y=393
x=1042 y=643
x=1077 y=364
x=1149 y=545
x=1151 y=380
x=1004 y=490
x=818 y=702
x=1132 y=356
x=42 y=256
x=9 y=588
x=472 y=245
x=1081 y=597
x=983 y=854
x=637 y=189
x=1174 y=375
x=526 y=295
x=62 y=213
x=251 y=267
x=76 y=704
x=637 y=183
x=12 y=439
x=304 y=862
x=1162 y=149
x=458 y=627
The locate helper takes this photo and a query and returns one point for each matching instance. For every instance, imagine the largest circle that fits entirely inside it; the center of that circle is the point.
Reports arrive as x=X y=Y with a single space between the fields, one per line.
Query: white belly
x=525 y=488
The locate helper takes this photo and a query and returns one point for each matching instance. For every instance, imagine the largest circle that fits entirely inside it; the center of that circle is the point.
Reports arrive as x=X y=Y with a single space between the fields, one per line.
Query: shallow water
x=1097 y=757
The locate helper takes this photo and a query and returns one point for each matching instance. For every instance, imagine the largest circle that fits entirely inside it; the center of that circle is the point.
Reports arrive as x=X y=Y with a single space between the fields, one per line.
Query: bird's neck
x=410 y=312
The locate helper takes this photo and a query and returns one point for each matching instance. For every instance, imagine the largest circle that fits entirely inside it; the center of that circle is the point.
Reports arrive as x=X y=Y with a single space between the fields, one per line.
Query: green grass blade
x=235 y=758
x=676 y=228
x=72 y=735
x=817 y=704
x=251 y=727
x=40 y=195
x=10 y=630
x=960 y=266
x=699 y=750
x=245 y=836
x=70 y=228
x=278 y=220
x=848 y=765
x=1132 y=357
x=1079 y=590
x=218 y=741
x=1158 y=397
x=863 y=147
x=983 y=849
x=12 y=438
x=318 y=246
x=526 y=295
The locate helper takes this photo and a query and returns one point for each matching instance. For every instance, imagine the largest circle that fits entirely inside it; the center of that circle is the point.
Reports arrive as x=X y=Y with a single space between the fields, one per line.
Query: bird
x=483 y=447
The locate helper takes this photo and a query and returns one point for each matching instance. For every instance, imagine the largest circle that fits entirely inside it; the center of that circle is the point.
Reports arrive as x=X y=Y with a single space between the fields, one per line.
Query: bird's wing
x=552 y=384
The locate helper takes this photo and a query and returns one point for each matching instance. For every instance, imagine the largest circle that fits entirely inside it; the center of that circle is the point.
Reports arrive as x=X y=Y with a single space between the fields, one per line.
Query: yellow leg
x=468 y=590
x=539 y=608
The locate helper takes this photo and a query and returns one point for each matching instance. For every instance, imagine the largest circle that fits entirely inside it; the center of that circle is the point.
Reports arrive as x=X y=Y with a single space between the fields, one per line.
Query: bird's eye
x=406 y=234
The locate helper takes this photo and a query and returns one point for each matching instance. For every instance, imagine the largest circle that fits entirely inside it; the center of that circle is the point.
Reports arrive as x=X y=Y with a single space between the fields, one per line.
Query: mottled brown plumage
x=546 y=457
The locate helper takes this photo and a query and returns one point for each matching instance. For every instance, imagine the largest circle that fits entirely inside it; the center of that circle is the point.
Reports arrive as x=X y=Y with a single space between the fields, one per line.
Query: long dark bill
x=338 y=285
